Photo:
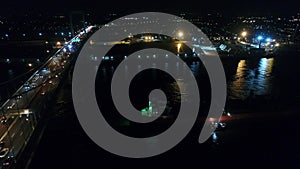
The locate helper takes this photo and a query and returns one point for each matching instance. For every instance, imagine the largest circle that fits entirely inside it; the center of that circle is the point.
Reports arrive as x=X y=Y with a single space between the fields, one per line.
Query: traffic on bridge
x=21 y=113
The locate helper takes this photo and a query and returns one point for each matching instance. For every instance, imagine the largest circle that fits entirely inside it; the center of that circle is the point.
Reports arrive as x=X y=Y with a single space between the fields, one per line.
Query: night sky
x=225 y=7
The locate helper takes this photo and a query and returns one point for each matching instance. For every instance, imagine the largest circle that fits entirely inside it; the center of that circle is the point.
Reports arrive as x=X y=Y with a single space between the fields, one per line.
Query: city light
x=268 y=39
x=180 y=34
x=244 y=34
x=76 y=40
x=178 y=47
x=70 y=46
x=259 y=37
x=29 y=64
x=26 y=111
x=92 y=42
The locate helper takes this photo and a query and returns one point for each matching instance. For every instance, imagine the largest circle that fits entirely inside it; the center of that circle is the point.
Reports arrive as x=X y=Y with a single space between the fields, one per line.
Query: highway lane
x=41 y=78
x=17 y=134
x=22 y=112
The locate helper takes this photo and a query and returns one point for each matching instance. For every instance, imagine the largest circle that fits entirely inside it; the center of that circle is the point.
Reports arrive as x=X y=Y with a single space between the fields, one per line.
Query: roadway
x=21 y=113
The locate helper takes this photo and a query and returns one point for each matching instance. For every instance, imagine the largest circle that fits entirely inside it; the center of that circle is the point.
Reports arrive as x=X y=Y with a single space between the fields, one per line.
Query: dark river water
x=275 y=78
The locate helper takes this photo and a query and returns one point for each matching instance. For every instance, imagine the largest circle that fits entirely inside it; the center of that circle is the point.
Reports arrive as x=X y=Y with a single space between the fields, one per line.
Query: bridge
x=23 y=110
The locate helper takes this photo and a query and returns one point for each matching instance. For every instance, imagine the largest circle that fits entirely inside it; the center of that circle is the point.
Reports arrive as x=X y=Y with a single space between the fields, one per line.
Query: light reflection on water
x=250 y=81
x=263 y=81
x=174 y=87
x=251 y=78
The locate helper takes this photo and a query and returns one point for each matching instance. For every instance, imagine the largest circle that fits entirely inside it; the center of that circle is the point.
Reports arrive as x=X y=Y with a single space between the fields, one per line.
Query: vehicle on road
x=11 y=106
x=8 y=161
x=19 y=97
x=4 y=152
x=43 y=93
x=3 y=119
x=34 y=85
x=2 y=144
x=219 y=124
x=27 y=87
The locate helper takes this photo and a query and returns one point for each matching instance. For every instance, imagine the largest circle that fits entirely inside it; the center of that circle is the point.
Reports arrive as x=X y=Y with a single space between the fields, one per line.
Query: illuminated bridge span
x=21 y=113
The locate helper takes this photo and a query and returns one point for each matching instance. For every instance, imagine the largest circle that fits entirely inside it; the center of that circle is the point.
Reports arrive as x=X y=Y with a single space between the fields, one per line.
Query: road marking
x=13 y=134
x=13 y=123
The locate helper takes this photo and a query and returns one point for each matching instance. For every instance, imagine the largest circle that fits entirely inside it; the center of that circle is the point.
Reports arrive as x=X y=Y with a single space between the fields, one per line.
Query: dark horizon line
x=123 y=12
